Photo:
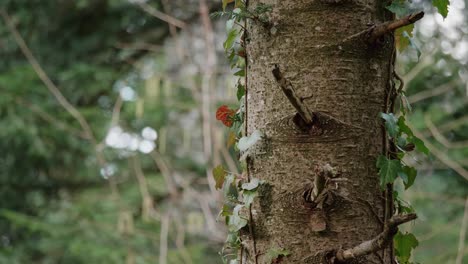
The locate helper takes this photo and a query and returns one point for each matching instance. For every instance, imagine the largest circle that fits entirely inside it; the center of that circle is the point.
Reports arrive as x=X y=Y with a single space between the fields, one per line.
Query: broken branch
x=377 y=243
x=390 y=26
x=306 y=115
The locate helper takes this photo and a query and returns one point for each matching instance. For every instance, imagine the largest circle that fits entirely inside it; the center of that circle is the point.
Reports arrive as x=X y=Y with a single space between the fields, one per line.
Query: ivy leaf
x=246 y=142
x=390 y=124
x=419 y=145
x=403 y=127
x=231 y=38
x=231 y=139
x=219 y=175
x=412 y=43
x=275 y=255
x=229 y=191
x=225 y=3
x=252 y=185
x=399 y=8
x=388 y=170
x=403 y=36
x=404 y=244
x=240 y=73
x=236 y=222
x=225 y=211
x=240 y=91
x=249 y=196
x=233 y=239
x=408 y=175
x=442 y=6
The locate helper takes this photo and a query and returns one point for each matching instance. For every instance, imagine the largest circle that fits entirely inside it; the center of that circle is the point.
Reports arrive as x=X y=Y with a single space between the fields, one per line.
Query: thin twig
x=147 y=205
x=304 y=112
x=51 y=119
x=390 y=26
x=377 y=243
x=163 y=246
x=428 y=93
x=54 y=90
x=162 y=16
x=441 y=138
x=441 y=156
x=461 y=239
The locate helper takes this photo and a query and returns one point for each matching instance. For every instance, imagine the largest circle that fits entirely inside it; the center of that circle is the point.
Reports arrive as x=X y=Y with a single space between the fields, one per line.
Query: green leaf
x=236 y=222
x=403 y=36
x=231 y=39
x=399 y=8
x=442 y=6
x=249 y=196
x=412 y=43
x=246 y=142
x=240 y=73
x=219 y=174
x=252 y=185
x=408 y=175
x=274 y=254
x=225 y=3
x=419 y=145
x=390 y=124
x=403 y=127
x=404 y=244
x=240 y=91
x=233 y=239
x=388 y=170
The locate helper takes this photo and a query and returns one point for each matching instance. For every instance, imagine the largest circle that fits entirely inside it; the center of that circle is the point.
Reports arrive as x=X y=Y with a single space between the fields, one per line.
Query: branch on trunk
x=375 y=32
x=390 y=26
x=306 y=115
x=377 y=243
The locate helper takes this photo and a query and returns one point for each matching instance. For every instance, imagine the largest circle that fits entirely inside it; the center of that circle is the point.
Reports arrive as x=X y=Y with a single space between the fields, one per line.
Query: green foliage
x=388 y=170
x=219 y=175
x=404 y=244
x=442 y=6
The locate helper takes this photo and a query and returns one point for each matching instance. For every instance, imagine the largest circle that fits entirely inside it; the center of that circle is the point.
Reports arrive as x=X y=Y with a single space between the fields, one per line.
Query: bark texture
x=344 y=81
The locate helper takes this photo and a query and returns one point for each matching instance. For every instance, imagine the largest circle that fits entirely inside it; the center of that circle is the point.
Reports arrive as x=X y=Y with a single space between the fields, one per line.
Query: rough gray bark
x=345 y=81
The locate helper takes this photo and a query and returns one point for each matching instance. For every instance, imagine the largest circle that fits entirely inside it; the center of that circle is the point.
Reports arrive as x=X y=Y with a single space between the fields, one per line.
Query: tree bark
x=343 y=80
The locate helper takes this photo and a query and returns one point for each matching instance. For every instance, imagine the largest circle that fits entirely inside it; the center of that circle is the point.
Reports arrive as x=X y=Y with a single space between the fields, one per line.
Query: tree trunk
x=343 y=80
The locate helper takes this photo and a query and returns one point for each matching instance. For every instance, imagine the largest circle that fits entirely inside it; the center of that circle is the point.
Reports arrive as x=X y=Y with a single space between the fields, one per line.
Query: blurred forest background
x=108 y=133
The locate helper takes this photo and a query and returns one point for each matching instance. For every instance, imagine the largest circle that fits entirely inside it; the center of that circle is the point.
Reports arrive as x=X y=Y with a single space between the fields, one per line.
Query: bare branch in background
x=160 y=15
x=165 y=171
x=173 y=30
x=450 y=125
x=428 y=93
x=49 y=118
x=147 y=206
x=138 y=46
x=440 y=138
x=425 y=61
x=54 y=90
x=440 y=155
x=163 y=238
x=116 y=112
x=461 y=239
